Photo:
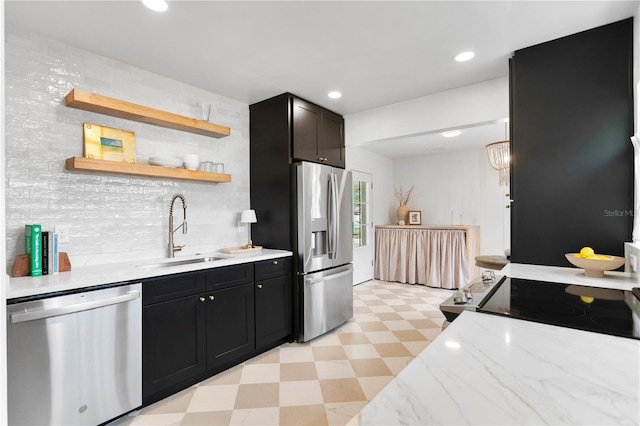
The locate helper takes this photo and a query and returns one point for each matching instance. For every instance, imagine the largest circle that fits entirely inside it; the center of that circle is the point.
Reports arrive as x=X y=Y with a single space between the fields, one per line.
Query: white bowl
x=165 y=161
x=191 y=165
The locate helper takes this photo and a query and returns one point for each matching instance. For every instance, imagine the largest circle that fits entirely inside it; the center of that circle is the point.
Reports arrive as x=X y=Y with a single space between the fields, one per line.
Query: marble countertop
x=487 y=369
x=88 y=276
x=570 y=275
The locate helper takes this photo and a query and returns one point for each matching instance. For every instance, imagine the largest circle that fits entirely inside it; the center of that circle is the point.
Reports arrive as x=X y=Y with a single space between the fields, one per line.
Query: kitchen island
x=486 y=369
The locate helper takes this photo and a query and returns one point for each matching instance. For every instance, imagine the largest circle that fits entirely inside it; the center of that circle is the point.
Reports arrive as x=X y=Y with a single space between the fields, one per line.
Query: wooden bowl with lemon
x=594 y=264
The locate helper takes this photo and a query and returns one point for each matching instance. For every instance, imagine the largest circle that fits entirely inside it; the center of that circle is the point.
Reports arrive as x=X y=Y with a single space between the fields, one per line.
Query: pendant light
x=499 y=157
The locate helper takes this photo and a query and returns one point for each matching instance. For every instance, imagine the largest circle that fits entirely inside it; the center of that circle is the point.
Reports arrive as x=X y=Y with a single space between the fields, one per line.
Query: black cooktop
x=601 y=310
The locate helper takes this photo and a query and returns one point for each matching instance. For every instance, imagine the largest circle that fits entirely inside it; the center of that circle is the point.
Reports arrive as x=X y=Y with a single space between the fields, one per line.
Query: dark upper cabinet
x=572 y=160
x=318 y=134
x=285 y=129
x=331 y=143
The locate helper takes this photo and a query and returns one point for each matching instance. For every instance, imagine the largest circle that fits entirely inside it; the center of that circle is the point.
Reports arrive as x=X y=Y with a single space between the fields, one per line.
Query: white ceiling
x=434 y=143
x=375 y=52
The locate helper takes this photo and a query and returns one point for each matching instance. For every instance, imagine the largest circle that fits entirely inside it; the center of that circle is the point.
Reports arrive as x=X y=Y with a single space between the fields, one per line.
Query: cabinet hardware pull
x=211 y=297
x=508 y=206
x=259 y=286
x=506 y=195
x=275 y=262
x=202 y=299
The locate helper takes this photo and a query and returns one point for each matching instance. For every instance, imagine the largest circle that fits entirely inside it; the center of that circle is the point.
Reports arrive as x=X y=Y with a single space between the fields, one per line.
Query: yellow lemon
x=587 y=299
x=586 y=252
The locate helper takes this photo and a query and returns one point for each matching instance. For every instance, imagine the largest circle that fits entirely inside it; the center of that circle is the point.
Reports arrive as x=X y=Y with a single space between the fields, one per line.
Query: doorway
x=363 y=231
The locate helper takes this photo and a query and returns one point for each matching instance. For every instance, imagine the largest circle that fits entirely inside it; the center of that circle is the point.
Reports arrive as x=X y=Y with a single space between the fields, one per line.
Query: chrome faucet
x=172 y=248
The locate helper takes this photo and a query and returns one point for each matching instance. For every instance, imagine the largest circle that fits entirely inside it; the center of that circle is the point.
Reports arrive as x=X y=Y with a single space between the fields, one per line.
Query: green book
x=33 y=247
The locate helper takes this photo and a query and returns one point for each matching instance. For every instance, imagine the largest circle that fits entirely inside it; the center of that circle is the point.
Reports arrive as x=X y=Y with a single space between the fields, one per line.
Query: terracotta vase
x=403 y=214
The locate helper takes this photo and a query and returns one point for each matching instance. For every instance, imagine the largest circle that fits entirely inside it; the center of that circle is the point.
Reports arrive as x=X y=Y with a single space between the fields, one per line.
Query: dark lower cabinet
x=273 y=309
x=226 y=318
x=174 y=343
x=230 y=324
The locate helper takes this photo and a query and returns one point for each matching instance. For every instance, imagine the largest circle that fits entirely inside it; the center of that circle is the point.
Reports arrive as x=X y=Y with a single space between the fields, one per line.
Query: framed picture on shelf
x=106 y=143
x=415 y=217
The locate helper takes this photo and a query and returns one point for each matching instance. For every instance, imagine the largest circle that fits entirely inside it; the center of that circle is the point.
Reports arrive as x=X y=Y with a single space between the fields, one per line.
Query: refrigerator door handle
x=332 y=216
x=327 y=278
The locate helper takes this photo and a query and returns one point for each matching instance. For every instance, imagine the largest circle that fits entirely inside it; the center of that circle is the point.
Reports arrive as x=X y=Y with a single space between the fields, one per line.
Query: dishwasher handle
x=63 y=310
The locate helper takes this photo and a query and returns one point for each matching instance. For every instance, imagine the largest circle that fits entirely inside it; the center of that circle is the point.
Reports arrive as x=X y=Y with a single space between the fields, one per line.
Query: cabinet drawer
x=272 y=268
x=229 y=276
x=172 y=287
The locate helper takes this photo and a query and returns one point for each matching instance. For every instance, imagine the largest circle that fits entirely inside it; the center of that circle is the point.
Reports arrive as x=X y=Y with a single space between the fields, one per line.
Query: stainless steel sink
x=181 y=262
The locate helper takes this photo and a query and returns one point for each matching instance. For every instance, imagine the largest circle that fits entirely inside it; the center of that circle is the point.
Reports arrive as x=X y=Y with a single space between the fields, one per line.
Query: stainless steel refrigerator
x=324 y=287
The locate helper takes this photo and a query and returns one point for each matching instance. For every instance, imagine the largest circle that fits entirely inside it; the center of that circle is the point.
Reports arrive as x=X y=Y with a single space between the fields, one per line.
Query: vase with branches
x=403 y=197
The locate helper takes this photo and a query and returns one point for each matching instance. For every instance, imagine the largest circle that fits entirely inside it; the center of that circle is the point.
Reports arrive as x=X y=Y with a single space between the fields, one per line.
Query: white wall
x=477 y=103
x=457 y=188
x=3 y=256
x=112 y=218
x=381 y=169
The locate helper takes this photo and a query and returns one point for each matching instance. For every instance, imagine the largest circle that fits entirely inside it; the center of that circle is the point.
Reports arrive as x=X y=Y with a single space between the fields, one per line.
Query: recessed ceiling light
x=334 y=95
x=464 y=56
x=157 y=5
x=451 y=133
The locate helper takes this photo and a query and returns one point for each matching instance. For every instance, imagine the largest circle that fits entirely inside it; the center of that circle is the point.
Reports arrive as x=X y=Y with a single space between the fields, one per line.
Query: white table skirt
x=434 y=257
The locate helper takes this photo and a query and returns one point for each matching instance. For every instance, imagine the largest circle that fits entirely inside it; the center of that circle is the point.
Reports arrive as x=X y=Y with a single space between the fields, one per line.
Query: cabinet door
x=273 y=313
x=331 y=142
x=230 y=324
x=306 y=131
x=173 y=343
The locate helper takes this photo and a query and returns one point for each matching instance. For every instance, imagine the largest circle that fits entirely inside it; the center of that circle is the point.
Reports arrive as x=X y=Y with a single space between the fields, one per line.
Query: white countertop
x=89 y=276
x=555 y=274
x=486 y=369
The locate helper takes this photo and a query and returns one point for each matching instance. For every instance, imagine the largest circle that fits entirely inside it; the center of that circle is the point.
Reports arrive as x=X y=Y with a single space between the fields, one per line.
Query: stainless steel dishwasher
x=75 y=359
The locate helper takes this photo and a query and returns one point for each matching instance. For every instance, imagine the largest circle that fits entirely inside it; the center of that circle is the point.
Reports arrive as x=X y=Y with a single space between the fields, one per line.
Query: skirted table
x=437 y=256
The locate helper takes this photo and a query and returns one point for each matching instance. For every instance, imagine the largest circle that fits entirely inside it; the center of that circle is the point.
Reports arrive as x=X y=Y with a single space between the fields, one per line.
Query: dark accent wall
x=572 y=159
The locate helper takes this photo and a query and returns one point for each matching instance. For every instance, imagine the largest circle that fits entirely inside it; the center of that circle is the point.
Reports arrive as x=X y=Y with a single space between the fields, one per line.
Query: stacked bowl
x=191 y=161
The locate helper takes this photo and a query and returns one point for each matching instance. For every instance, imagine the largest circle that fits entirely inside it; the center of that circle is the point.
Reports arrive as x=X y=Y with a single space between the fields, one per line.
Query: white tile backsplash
x=112 y=217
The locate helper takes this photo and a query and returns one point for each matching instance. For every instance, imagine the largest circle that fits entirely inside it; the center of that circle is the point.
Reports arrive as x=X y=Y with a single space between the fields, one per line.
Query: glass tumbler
x=218 y=167
x=206 y=166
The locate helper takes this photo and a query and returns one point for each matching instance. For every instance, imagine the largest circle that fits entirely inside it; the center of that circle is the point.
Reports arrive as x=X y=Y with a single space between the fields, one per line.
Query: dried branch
x=403 y=197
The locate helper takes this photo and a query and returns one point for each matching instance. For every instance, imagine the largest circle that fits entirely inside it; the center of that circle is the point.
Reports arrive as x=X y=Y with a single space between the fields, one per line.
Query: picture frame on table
x=415 y=217
x=107 y=143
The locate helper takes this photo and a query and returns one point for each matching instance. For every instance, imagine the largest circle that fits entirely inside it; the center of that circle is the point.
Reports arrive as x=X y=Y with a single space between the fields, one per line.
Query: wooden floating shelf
x=92 y=165
x=122 y=109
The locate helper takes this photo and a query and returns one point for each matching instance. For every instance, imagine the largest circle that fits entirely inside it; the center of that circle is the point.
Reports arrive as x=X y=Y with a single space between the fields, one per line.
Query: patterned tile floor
x=323 y=382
